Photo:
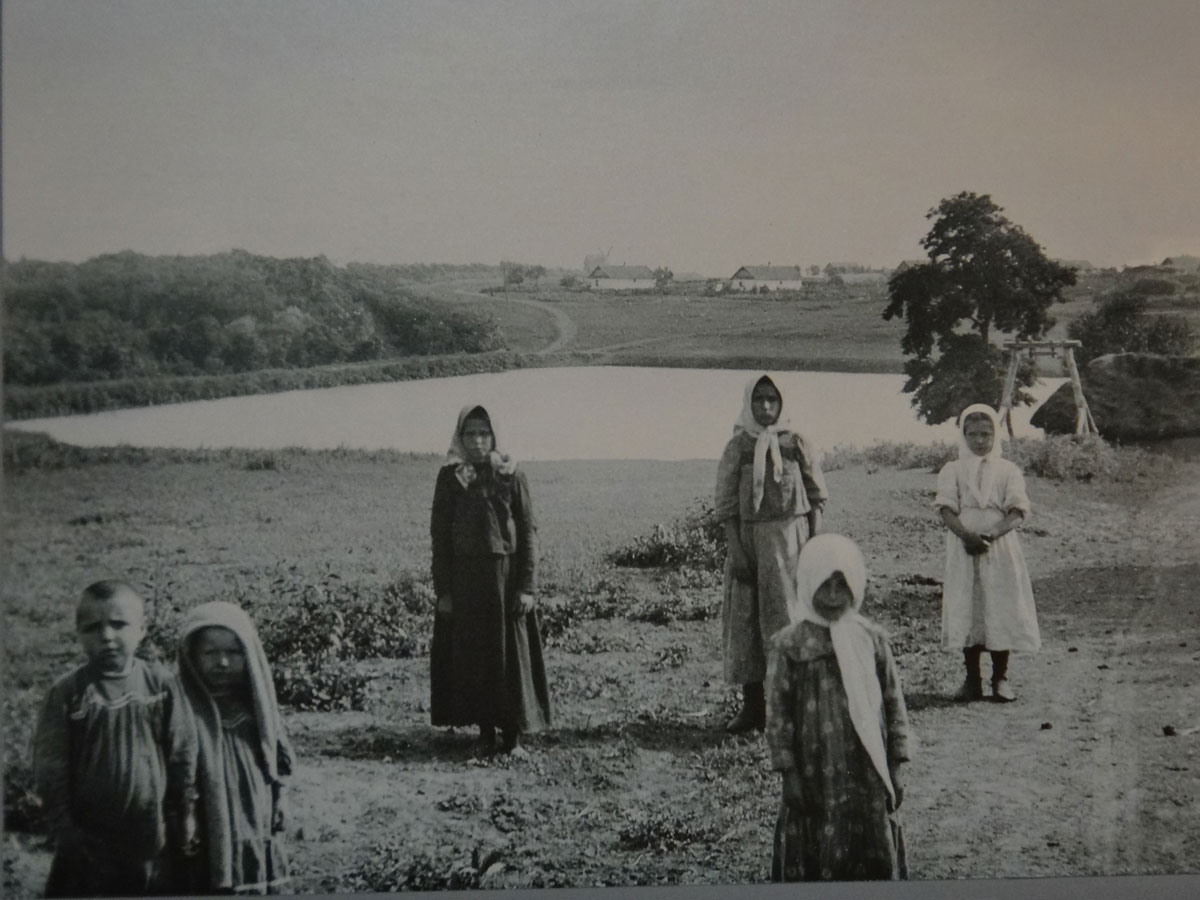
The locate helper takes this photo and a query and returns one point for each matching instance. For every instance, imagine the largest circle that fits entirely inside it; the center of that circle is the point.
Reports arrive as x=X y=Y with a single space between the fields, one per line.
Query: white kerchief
x=766 y=437
x=980 y=470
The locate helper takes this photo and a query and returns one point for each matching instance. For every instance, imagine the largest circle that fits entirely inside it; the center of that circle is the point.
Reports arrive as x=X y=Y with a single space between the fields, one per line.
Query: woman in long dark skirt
x=486 y=665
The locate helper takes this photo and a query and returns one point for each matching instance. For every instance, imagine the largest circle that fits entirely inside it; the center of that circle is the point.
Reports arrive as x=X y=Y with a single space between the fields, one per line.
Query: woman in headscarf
x=987 y=597
x=486 y=655
x=769 y=496
x=837 y=728
x=244 y=753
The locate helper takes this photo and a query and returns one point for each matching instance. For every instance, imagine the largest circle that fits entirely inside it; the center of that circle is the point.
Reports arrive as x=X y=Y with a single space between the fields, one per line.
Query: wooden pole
x=1010 y=383
x=1084 y=424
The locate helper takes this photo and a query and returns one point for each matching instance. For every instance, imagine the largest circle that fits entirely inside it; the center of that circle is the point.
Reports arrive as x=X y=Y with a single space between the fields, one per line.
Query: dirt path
x=1102 y=789
x=562 y=322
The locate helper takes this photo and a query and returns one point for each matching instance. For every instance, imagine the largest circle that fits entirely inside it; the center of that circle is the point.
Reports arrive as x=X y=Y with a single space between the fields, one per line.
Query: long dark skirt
x=486 y=665
x=79 y=874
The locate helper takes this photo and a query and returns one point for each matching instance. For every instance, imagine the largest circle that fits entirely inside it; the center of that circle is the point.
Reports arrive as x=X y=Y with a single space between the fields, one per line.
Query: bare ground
x=1094 y=770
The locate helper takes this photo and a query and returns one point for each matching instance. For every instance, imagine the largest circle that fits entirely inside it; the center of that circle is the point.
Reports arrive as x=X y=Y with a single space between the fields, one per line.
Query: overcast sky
x=693 y=134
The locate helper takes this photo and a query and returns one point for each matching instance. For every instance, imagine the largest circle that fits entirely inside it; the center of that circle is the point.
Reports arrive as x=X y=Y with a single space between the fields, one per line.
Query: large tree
x=985 y=275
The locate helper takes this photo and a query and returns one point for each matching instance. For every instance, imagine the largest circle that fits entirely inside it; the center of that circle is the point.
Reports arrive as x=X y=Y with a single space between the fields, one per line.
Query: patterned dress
x=846 y=828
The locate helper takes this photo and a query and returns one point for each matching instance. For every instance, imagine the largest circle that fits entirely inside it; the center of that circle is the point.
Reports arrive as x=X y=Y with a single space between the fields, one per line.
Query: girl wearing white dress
x=987 y=599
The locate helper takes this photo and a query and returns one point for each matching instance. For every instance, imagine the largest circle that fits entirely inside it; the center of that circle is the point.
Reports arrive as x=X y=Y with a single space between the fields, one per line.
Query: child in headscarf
x=486 y=665
x=987 y=598
x=244 y=753
x=114 y=755
x=837 y=728
x=770 y=493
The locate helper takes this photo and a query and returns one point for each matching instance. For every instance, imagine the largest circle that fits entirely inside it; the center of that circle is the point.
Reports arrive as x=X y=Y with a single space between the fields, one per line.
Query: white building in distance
x=774 y=278
x=617 y=278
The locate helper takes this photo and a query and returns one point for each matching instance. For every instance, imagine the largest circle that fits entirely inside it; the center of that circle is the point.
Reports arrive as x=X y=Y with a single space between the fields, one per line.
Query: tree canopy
x=1120 y=323
x=129 y=315
x=984 y=275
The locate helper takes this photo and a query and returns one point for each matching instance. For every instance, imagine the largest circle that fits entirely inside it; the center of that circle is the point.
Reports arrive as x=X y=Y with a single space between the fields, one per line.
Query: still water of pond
x=564 y=413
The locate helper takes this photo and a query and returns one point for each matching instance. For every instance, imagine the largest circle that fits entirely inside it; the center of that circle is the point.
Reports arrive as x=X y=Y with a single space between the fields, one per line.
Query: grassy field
x=636 y=784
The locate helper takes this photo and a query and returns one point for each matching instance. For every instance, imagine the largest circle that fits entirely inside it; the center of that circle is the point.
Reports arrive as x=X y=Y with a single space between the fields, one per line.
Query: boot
x=753 y=716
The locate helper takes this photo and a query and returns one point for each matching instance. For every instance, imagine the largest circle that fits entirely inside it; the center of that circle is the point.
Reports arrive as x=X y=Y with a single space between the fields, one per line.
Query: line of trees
x=126 y=315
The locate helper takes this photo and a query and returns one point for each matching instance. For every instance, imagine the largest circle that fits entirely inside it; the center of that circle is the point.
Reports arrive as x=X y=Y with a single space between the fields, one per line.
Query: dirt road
x=1096 y=770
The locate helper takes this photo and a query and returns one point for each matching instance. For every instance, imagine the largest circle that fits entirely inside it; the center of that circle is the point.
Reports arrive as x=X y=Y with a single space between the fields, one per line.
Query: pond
x=555 y=413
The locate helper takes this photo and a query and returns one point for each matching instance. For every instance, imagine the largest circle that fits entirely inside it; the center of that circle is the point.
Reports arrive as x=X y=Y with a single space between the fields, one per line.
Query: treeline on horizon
x=128 y=315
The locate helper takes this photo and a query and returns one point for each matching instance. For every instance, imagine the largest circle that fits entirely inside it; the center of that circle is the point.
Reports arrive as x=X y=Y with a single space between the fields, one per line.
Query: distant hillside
x=129 y=315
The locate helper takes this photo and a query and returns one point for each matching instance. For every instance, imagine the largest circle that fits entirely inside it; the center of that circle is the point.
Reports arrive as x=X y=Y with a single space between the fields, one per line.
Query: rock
x=1132 y=396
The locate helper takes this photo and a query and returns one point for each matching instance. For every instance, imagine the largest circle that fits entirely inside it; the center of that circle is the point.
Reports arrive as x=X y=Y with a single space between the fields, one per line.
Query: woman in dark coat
x=486 y=656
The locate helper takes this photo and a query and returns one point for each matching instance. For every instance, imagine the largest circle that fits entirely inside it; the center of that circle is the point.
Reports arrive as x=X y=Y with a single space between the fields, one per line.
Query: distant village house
x=617 y=278
x=773 y=278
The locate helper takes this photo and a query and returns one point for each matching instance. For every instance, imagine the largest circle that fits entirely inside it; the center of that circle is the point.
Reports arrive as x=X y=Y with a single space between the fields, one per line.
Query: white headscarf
x=853 y=645
x=980 y=470
x=457 y=453
x=766 y=436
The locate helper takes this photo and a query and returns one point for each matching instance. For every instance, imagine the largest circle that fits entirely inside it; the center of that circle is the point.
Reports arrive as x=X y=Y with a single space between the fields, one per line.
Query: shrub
x=1083 y=458
x=393 y=866
x=696 y=540
x=892 y=455
x=320 y=686
x=330 y=620
x=22 y=808
x=663 y=609
x=1146 y=287
x=1120 y=323
x=661 y=832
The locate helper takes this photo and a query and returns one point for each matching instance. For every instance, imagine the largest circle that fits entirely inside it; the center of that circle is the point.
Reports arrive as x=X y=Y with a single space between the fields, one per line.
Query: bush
x=1082 y=458
x=22 y=808
x=695 y=540
x=1119 y=323
x=319 y=686
x=330 y=620
x=664 y=609
x=891 y=455
x=661 y=832
x=1148 y=287
x=393 y=866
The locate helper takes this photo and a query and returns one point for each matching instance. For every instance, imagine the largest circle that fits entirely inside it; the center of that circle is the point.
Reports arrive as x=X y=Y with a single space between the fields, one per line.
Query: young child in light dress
x=987 y=597
x=114 y=756
x=244 y=753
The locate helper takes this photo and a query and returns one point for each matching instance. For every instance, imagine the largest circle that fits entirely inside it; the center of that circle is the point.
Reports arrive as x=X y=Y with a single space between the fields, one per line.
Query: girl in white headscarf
x=769 y=495
x=987 y=597
x=486 y=665
x=837 y=727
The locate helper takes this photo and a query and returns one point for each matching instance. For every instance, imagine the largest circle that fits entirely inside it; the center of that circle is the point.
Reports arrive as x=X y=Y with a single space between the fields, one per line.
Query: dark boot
x=753 y=716
x=972 y=688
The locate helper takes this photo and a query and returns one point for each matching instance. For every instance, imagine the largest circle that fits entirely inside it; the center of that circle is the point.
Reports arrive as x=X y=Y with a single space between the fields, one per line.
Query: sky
x=700 y=135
